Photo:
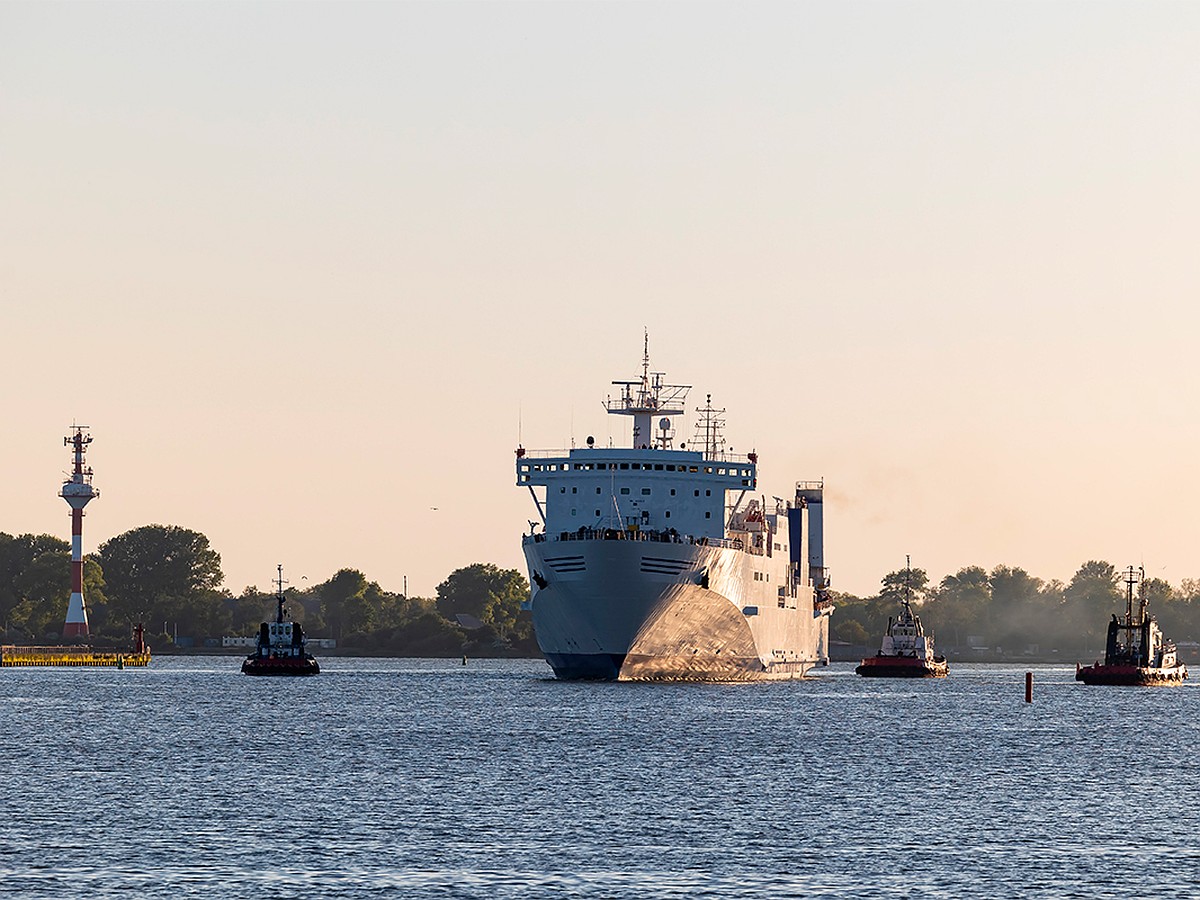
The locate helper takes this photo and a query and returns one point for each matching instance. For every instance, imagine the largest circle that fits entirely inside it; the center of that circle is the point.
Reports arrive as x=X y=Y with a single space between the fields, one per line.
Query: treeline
x=1009 y=613
x=169 y=578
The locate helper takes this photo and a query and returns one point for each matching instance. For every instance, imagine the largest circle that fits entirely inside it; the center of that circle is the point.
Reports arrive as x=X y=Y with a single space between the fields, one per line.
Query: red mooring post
x=1028 y=687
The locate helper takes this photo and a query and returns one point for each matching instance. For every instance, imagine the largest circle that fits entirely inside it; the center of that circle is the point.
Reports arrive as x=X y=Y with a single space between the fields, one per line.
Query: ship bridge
x=625 y=488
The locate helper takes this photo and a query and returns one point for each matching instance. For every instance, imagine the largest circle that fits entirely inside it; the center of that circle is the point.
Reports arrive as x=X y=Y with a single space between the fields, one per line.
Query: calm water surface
x=423 y=778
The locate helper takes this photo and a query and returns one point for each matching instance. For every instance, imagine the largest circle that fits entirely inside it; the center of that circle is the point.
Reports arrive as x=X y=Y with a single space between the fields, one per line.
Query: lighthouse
x=77 y=491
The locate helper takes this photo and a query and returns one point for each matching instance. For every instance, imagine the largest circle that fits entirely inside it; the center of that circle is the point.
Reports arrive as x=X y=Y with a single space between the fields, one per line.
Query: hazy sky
x=307 y=269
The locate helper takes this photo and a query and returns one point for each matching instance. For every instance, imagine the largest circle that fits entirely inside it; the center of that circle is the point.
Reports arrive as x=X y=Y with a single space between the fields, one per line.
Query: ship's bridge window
x=624 y=490
x=658 y=467
x=624 y=465
x=670 y=468
x=645 y=492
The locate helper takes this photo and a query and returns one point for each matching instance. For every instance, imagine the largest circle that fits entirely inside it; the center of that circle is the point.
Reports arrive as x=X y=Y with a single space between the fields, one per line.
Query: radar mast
x=647 y=398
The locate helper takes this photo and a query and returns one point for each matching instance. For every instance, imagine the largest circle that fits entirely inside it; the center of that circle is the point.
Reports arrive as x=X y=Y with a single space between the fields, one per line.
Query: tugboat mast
x=279 y=583
x=907 y=582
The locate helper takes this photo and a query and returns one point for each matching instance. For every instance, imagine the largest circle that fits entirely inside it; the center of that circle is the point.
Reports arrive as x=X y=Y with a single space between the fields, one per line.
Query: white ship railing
x=707 y=457
x=617 y=534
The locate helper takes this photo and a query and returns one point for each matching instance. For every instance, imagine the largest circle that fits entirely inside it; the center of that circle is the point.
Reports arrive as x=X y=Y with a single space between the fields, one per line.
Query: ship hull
x=1132 y=676
x=635 y=610
x=902 y=667
x=287 y=666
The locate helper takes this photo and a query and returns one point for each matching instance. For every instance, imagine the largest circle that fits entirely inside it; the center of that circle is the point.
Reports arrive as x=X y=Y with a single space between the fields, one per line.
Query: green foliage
x=1013 y=587
x=904 y=582
x=159 y=572
x=973 y=611
x=490 y=594
x=17 y=557
x=35 y=585
x=168 y=574
x=349 y=603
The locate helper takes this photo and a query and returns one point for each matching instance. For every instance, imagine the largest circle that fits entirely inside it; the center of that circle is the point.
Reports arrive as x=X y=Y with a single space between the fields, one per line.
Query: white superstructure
x=663 y=562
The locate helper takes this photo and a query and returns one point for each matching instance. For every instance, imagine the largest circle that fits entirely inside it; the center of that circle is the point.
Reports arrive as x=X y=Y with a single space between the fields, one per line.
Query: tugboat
x=906 y=652
x=280 y=648
x=1136 y=653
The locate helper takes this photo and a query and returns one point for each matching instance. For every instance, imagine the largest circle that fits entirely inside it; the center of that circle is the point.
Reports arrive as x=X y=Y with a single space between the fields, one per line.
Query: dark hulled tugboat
x=1136 y=653
x=907 y=651
x=280 y=648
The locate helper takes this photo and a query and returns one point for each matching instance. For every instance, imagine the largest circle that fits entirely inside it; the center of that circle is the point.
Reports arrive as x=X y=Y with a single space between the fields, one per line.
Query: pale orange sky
x=304 y=267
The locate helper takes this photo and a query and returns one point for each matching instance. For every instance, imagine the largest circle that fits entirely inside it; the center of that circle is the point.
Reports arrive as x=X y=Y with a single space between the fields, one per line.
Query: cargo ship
x=1135 y=652
x=906 y=650
x=660 y=561
x=280 y=648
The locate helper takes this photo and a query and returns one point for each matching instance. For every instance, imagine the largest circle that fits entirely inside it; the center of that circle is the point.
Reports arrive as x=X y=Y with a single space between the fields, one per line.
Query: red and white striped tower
x=77 y=491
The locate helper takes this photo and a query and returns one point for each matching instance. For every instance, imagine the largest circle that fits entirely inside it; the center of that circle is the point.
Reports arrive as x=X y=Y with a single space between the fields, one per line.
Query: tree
x=853 y=633
x=487 y=592
x=961 y=607
x=896 y=585
x=1013 y=586
x=156 y=571
x=1089 y=599
x=16 y=556
x=348 y=602
x=35 y=585
x=968 y=586
x=1094 y=587
x=1158 y=593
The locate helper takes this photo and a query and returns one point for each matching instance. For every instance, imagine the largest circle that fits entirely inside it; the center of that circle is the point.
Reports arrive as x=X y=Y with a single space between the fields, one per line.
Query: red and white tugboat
x=907 y=651
x=1136 y=653
x=280 y=649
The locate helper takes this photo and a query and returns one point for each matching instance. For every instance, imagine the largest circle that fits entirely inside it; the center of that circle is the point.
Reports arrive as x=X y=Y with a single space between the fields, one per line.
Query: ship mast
x=279 y=583
x=1130 y=581
x=708 y=429
x=647 y=398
